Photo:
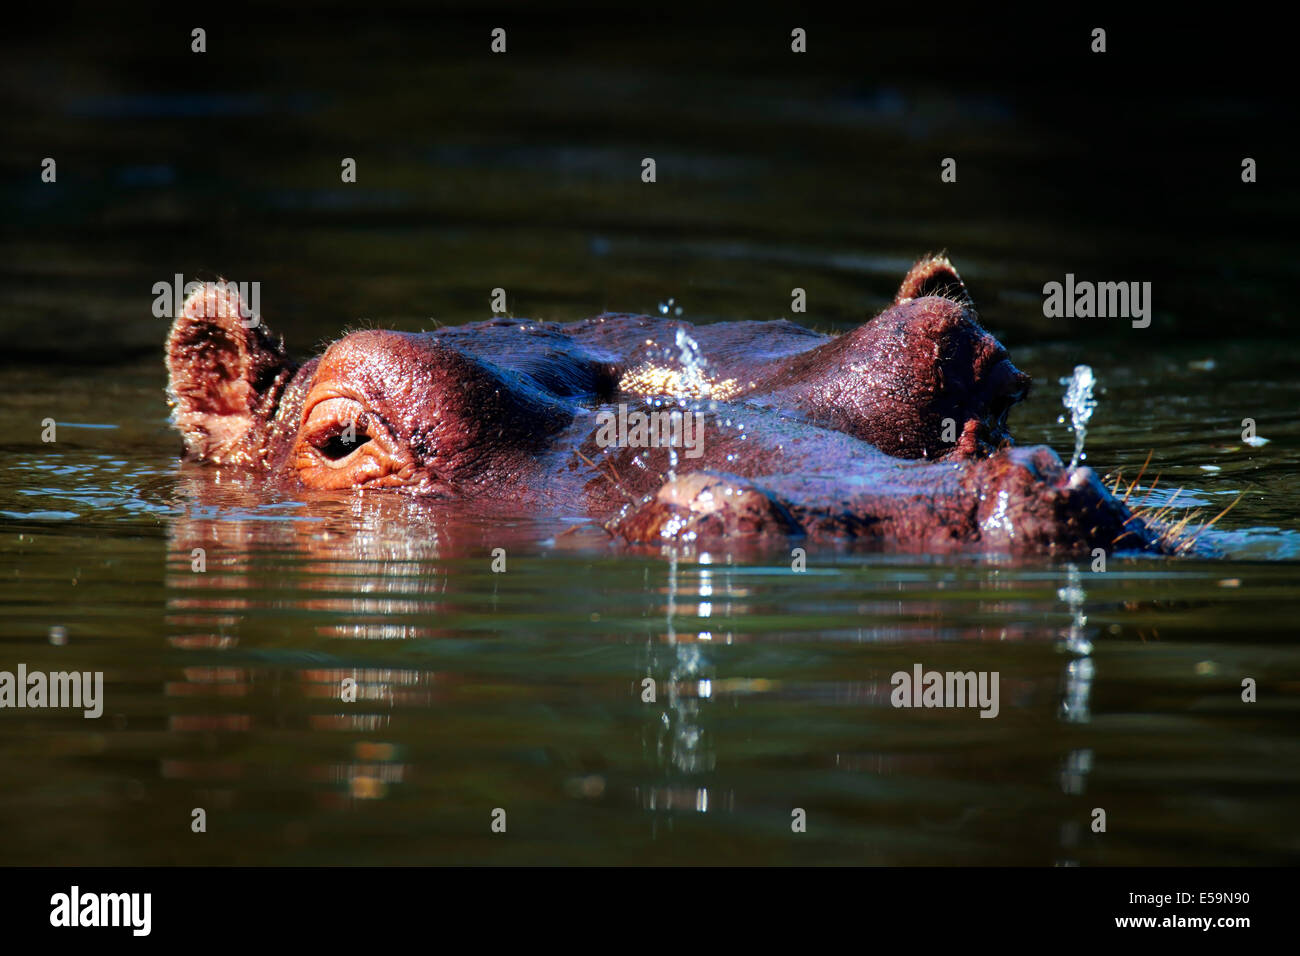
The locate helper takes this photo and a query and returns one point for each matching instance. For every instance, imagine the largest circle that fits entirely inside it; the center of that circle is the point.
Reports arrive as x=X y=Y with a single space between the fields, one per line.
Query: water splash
x=1000 y=520
x=670 y=306
x=694 y=379
x=1080 y=403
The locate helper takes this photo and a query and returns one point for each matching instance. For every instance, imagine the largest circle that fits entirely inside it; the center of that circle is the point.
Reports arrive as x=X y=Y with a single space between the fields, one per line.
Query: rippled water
x=522 y=690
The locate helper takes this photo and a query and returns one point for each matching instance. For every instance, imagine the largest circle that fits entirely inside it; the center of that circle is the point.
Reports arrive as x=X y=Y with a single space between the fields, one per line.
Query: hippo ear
x=933 y=275
x=225 y=370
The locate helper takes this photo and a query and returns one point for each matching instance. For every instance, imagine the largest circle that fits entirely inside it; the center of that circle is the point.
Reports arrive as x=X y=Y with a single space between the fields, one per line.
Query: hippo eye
x=342 y=444
x=338 y=442
x=336 y=428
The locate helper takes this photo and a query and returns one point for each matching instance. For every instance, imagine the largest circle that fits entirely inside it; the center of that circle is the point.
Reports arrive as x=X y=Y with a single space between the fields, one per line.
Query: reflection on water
x=526 y=690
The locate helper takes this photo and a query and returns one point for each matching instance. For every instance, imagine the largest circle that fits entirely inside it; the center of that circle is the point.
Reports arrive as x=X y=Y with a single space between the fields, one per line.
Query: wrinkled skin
x=895 y=432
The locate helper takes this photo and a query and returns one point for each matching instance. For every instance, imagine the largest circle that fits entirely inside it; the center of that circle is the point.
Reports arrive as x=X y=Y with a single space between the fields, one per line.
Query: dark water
x=522 y=690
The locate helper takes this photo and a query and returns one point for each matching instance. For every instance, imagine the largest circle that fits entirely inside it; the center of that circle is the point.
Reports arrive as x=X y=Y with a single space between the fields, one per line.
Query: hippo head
x=376 y=409
x=817 y=437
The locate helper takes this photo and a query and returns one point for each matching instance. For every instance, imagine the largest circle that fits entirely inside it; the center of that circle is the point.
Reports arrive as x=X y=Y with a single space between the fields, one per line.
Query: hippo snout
x=1029 y=500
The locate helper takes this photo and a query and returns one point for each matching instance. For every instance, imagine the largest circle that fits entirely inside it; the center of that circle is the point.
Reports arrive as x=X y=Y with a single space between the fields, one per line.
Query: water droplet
x=1080 y=403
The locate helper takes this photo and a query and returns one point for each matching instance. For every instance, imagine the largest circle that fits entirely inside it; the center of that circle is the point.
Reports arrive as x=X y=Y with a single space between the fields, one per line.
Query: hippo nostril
x=1001 y=405
x=1005 y=386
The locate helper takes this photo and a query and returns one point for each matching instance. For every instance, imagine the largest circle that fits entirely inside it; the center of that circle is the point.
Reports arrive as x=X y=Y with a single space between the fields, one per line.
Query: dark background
x=775 y=170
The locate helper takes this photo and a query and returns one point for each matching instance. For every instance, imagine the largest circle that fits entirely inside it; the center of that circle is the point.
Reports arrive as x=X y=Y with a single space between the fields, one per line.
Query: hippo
x=895 y=433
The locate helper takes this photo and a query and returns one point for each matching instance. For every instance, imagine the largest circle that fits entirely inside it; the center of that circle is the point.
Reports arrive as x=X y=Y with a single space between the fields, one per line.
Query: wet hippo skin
x=895 y=432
